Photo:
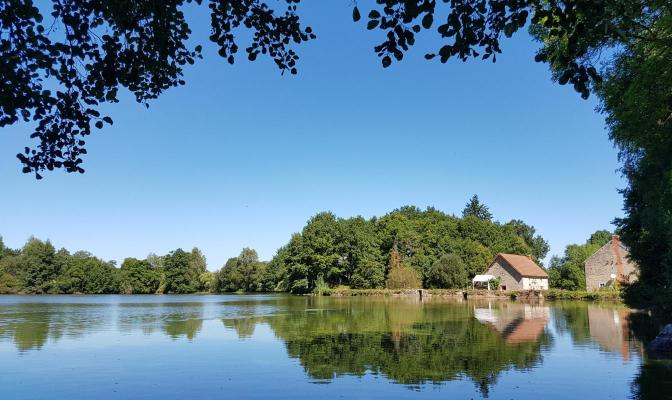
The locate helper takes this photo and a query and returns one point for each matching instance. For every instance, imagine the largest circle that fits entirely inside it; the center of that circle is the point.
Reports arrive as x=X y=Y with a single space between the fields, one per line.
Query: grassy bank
x=553 y=294
x=598 y=295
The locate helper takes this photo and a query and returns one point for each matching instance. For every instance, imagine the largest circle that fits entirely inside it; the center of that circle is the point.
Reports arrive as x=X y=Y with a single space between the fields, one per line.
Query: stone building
x=610 y=264
x=517 y=273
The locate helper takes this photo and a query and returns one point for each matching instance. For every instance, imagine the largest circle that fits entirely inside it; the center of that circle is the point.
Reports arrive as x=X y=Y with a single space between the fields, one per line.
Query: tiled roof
x=526 y=331
x=524 y=265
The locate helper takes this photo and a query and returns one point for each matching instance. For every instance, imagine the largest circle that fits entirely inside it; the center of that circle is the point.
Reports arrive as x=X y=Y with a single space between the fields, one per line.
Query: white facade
x=535 y=283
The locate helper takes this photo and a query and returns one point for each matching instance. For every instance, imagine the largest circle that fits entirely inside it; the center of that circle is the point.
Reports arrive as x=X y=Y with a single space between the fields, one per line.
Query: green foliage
x=633 y=88
x=494 y=283
x=207 y=281
x=244 y=273
x=400 y=276
x=321 y=287
x=352 y=251
x=151 y=49
x=138 y=277
x=475 y=208
x=8 y=283
x=181 y=277
x=594 y=295
x=408 y=342
x=635 y=99
x=39 y=266
x=568 y=272
x=642 y=295
x=84 y=273
x=447 y=272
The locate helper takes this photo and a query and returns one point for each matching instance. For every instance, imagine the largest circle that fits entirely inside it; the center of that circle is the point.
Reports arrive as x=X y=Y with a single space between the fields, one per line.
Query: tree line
x=38 y=268
x=620 y=50
x=406 y=248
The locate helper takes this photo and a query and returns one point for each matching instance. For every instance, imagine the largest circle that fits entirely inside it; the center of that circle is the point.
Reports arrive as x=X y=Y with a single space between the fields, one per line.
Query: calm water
x=265 y=346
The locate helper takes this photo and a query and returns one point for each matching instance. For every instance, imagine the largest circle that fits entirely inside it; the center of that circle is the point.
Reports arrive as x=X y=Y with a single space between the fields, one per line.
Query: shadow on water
x=654 y=380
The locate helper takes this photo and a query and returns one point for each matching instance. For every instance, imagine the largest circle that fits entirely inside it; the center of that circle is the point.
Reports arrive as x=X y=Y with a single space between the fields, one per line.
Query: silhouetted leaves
x=104 y=45
x=141 y=46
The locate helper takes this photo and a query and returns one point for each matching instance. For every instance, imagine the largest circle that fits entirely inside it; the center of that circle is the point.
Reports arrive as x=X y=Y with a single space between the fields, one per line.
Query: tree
x=635 y=100
x=360 y=256
x=568 y=272
x=138 y=277
x=401 y=276
x=538 y=245
x=475 y=208
x=38 y=266
x=243 y=273
x=448 y=271
x=59 y=82
x=180 y=277
x=351 y=251
x=200 y=267
x=83 y=273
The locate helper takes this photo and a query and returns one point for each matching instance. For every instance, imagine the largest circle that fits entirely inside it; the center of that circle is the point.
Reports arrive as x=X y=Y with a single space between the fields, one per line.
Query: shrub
x=449 y=271
x=403 y=277
x=321 y=287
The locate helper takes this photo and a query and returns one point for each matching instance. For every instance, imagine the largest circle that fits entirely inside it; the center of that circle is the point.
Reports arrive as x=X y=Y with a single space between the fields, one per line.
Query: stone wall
x=604 y=262
x=510 y=279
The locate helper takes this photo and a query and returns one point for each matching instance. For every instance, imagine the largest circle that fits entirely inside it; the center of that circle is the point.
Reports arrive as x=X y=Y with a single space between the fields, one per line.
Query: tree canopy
x=568 y=271
x=361 y=253
x=476 y=209
x=243 y=273
x=61 y=62
x=39 y=268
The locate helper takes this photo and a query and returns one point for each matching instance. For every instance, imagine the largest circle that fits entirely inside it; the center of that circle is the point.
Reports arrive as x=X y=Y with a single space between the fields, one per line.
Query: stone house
x=517 y=272
x=610 y=264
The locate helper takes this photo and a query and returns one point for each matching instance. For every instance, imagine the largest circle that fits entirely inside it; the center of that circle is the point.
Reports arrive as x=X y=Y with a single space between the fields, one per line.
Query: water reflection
x=30 y=326
x=608 y=327
x=409 y=342
x=515 y=322
x=406 y=341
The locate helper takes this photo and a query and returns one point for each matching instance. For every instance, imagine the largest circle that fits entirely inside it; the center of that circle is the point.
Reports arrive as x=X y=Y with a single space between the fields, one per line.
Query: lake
x=278 y=347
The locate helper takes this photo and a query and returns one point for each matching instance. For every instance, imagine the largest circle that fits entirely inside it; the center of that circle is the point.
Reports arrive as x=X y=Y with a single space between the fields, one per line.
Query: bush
x=641 y=295
x=494 y=283
x=403 y=277
x=321 y=287
x=449 y=272
x=9 y=284
x=600 y=295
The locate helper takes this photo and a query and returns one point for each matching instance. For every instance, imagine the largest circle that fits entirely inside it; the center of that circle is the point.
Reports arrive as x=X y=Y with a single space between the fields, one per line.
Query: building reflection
x=610 y=328
x=515 y=322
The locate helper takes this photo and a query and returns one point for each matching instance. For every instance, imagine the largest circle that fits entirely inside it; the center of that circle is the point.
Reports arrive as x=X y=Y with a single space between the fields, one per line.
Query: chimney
x=616 y=246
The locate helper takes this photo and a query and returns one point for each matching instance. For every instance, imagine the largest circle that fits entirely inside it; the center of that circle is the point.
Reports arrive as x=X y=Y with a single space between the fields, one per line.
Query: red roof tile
x=524 y=265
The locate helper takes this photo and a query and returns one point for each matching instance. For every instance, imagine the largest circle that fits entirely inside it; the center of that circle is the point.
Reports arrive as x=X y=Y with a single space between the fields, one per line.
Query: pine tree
x=475 y=208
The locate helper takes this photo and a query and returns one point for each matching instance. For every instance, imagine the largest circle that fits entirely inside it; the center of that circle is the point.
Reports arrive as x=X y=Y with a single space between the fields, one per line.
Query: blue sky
x=242 y=156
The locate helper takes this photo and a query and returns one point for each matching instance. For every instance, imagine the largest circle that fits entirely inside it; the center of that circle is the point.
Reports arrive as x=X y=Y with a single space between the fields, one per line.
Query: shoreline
x=551 y=294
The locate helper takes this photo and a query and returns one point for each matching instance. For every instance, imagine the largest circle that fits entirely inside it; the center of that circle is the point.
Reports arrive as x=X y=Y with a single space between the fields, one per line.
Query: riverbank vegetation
x=406 y=248
x=568 y=272
x=38 y=268
x=440 y=249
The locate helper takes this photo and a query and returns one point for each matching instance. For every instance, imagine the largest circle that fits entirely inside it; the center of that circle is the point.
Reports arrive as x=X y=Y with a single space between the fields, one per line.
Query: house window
x=603 y=285
x=503 y=287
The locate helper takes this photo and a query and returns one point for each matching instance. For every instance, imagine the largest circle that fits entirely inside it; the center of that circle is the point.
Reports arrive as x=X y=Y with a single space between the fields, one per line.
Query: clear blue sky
x=242 y=156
